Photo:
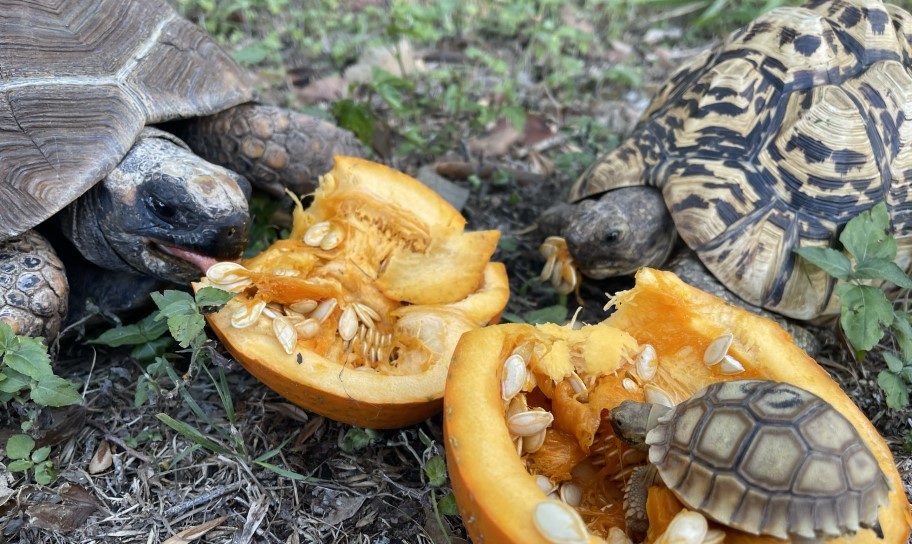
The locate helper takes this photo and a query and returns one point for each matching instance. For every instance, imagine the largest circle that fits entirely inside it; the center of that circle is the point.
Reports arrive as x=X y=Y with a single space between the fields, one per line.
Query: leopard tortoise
x=763 y=457
x=81 y=83
x=770 y=141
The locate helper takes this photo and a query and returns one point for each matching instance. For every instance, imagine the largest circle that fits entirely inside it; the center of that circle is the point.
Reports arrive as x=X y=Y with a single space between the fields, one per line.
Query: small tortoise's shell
x=78 y=82
x=774 y=140
x=768 y=458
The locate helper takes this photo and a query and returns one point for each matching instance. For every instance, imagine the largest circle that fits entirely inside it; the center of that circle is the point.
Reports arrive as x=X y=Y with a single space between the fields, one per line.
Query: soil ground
x=158 y=483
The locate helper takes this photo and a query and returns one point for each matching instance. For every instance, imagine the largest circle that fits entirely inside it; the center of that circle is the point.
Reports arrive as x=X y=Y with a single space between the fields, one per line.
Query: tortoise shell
x=78 y=82
x=768 y=458
x=774 y=140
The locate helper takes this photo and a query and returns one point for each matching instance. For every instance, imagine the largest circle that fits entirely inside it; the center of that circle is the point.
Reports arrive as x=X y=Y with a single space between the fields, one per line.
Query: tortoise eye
x=612 y=236
x=161 y=209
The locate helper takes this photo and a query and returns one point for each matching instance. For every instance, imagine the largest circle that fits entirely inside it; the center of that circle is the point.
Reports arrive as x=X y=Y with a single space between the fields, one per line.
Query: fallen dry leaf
x=103 y=458
x=188 y=535
x=65 y=511
x=327 y=89
x=497 y=142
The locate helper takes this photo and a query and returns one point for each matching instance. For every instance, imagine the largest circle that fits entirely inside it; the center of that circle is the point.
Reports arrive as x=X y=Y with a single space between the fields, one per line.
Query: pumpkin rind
x=417 y=322
x=493 y=488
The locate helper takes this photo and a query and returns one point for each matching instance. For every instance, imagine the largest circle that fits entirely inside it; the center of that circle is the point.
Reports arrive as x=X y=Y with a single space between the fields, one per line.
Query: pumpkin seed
x=629 y=385
x=513 y=376
x=548 y=269
x=285 y=333
x=308 y=328
x=559 y=523
x=579 y=386
x=569 y=279
x=366 y=314
x=227 y=273
x=571 y=493
x=324 y=309
x=248 y=315
x=687 y=527
x=717 y=349
x=656 y=395
x=616 y=535
x=315 y=234
x=303 y=306
x=647 y=363
x=332 y=239
x=549 y=246
x=533 y=443
x=529 y=422
x=348 y=324
x=286 y=272
x=544 y=483
x=730 y=365
x=556 y=273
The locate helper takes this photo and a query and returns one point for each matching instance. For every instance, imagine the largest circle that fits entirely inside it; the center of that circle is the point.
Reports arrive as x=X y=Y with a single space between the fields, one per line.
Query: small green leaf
x=435 y=469
x=211 y=299
x=6 y=336
x=45 y=473
x=14 y=382
x=148 y=352
x=21 y=465
x=903 y=330
x=355 y=117
x=28 y=356
x=896 y=391
x=867 y=236
x=906 y=374
x=55 y=391
x=193 y=434
x=147 y=329
x=831 y=261
x=548 y=314
x=447 y=505
x=41 y=454
x=286 y=473
x=19 y=446
x=516 y=116
x=894 y=363
x=252 y=54
x=184 y=320
x=356 y=439
x=865 y=311
x=881 y=269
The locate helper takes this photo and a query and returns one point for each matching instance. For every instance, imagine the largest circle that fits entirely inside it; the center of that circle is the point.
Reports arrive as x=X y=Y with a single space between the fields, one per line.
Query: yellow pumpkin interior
x=356 y=315
x=577 y=375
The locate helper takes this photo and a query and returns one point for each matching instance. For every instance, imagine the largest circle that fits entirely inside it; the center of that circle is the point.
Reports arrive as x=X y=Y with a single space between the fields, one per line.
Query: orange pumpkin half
x=356 y=315
x=507 y=382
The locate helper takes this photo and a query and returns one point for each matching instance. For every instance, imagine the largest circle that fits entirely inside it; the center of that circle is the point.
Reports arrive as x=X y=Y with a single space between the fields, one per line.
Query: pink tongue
x=202 y=261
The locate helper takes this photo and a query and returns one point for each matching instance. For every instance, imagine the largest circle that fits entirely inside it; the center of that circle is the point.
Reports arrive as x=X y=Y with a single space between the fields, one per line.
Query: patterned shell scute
x=774 y=140
x=124 y=63
x=768 y=458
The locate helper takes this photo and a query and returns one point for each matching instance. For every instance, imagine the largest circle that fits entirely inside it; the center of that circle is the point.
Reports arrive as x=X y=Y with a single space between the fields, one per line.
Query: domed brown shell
x=774 y=140
x=79 y=79
x=768 y=458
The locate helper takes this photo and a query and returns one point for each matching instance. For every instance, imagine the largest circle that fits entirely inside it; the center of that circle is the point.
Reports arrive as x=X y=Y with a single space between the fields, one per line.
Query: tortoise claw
x=559 y=269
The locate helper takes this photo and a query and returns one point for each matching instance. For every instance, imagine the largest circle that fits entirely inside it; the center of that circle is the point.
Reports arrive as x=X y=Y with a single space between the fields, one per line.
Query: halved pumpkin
x=576 y=375
x=357 y=314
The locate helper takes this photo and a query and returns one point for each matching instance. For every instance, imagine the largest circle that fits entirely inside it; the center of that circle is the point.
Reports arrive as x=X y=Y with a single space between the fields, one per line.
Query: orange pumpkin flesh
x=401 y=253
x=492 y=483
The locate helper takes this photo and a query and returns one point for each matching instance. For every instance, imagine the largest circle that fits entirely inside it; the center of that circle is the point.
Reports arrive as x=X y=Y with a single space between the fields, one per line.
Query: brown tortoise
x=771 y=141
x=763 y=457
x=81 y=81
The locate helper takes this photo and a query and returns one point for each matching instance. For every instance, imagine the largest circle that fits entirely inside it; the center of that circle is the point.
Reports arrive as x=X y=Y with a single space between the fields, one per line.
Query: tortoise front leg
x=33 y=286
x=272 y=147
x=635 y=494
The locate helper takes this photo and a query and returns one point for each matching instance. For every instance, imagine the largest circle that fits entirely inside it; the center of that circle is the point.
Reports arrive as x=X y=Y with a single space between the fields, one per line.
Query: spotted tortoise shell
x=768 y=458
x=775 y=139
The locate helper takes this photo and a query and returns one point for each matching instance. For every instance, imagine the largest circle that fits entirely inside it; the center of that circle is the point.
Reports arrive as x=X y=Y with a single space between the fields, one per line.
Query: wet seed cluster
x=557 y=518
x=357 y=325
x=559 y=267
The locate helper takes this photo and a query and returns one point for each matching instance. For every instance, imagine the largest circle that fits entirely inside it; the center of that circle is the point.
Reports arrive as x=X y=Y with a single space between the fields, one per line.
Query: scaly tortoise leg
x=33 y=286
x=635 y=494
x=272 y=147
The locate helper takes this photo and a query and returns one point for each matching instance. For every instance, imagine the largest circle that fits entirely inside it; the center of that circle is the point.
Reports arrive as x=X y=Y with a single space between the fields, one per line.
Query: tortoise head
x=162 y=212
x=622 y=231
x=632 y=420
